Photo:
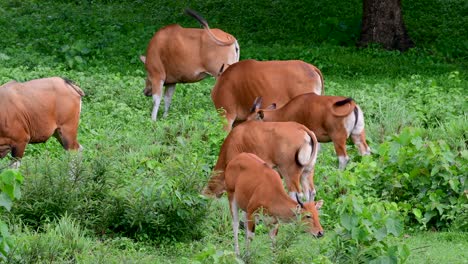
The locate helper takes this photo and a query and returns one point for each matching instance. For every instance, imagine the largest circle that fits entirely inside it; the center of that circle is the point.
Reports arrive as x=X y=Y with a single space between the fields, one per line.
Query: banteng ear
x=143 y=58
x=260 y=115
x=319 y=204
x=256 y=104
x=272 y=106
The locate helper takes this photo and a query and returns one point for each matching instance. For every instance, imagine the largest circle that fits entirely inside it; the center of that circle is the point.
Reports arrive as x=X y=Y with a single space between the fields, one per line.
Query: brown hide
x=31 y=112
x=331 y=118
x=279 y=144
x=254 y=187
x=185 y=55
x=276 y=81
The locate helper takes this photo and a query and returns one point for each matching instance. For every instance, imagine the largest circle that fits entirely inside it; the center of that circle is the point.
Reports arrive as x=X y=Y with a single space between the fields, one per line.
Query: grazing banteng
x=254 y=187
x=277 y=81
x=289 y=147
x=33 y=111
x=185 y=55
x=331 y=118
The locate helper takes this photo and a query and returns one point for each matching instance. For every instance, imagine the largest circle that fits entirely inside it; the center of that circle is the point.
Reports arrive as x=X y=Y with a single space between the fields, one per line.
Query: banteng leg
x=360 y=142
x=250 y=230
x=273 y=233
x=230 y=118
x=156 y=92
x=307 y=183
x=168 y=93
x=292 y=177
x=235 y=223
x=17 y=152
x=340 y=149
x=358 y=134
x=67 y=136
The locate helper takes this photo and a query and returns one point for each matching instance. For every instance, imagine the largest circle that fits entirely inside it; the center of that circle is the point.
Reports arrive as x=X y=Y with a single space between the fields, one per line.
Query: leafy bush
x=425 y=178
x=9 y=191
x=52 y=191
x=60 y=241
x=363 y=231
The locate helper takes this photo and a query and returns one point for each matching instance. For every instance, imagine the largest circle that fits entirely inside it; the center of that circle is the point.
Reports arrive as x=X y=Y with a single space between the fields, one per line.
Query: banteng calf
x=254 y=187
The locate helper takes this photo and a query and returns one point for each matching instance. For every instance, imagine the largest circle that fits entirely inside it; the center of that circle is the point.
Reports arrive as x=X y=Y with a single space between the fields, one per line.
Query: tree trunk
x=382 y=22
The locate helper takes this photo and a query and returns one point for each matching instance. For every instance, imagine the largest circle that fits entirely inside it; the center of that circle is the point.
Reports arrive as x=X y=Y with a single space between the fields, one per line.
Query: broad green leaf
x=380 y=233
x=5 y=201
x=348 y=221
x=8 y=177
x=394 y=226
x=417 y=213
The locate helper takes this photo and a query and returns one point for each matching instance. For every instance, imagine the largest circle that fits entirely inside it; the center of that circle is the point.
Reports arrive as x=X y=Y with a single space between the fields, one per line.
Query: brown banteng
x=185 y=55
x=289 y=147
x=254 y=187
x=277 y=81
x=33 y=111
x=331 y=118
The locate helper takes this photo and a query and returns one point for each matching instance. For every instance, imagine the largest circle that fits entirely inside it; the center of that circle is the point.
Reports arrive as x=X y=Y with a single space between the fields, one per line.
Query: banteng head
x=310 y=216
x=148 y=85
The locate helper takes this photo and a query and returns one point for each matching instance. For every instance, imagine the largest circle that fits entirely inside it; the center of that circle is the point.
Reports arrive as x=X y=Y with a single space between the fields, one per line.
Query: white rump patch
x=360 y=123
x=305 y=152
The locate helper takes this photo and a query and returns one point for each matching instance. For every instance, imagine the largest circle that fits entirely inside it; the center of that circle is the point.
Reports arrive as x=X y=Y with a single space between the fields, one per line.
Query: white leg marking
x=312 y=194
x=157 y=101
x=342 y=161
x=235 y=225
x=16 y=164
x=305 y=185
x=168 y=93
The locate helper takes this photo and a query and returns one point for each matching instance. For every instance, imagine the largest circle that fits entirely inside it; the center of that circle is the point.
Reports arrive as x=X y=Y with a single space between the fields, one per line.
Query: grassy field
x=136 y=195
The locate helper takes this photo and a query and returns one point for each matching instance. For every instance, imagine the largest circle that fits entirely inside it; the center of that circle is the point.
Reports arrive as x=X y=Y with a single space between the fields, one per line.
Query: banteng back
x=276 y=81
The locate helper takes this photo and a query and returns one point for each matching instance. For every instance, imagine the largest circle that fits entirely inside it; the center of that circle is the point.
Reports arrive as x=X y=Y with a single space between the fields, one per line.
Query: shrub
x=9 y=191
x=58 y=242
x=425 y=178
x=362 y=233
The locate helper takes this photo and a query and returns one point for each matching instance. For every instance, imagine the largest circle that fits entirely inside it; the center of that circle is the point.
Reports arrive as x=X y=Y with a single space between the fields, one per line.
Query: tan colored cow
x=331 y=118
x=254 y=187
x=289 y=147
x=33 y=111
x=185 y=55
x=276 y=81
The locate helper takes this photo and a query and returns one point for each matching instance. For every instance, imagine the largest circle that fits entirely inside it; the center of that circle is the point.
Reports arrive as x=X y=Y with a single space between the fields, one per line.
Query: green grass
x=434 y=247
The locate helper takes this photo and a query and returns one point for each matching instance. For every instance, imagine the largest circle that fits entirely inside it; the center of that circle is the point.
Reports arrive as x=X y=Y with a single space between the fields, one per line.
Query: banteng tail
x=343 y=108
x=204 y=24
x=74 y=86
